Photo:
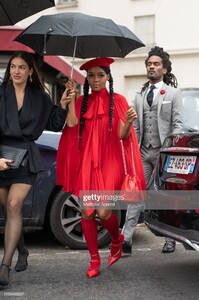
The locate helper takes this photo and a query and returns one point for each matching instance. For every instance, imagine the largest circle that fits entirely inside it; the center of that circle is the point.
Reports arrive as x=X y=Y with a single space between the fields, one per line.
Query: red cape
x=98 y=164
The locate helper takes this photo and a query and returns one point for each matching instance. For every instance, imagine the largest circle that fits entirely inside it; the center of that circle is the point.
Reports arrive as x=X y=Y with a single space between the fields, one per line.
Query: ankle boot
x=22 y=261
x=4 y=274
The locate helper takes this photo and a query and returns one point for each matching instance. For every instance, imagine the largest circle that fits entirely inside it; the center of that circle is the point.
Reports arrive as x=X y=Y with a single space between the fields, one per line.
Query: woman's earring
x=30 y=78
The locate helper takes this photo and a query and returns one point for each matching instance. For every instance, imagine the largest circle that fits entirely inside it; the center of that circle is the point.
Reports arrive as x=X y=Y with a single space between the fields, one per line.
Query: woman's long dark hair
x=85 y=103
x=28 y=58
x=168 y=78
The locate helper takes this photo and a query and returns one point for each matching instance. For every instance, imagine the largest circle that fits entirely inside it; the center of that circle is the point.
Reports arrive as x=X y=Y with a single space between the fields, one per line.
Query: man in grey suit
x=159 y=111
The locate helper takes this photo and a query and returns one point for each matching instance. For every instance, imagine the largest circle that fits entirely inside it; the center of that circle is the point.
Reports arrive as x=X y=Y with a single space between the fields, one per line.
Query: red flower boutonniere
x=162 y=92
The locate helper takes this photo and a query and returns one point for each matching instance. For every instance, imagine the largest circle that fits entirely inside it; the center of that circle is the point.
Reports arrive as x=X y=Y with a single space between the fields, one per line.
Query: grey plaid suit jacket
x=169 y=112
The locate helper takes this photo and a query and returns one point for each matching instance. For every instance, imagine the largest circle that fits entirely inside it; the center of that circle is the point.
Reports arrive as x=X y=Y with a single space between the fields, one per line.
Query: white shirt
x=158 y=86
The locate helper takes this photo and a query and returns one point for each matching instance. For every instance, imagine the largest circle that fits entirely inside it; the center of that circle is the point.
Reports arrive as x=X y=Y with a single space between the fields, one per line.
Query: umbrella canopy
x=13 y=11
x=79 y=35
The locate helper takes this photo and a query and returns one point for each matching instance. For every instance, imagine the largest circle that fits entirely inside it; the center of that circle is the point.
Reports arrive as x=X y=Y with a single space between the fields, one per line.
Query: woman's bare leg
x=16 y=196
x=22 y=258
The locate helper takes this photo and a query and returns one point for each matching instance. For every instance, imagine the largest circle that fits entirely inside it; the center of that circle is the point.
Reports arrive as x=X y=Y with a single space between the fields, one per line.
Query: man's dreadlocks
x=168 y=78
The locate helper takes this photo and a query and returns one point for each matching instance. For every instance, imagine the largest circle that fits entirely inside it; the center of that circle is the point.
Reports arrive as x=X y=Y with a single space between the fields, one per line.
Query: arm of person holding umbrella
x=69 y=97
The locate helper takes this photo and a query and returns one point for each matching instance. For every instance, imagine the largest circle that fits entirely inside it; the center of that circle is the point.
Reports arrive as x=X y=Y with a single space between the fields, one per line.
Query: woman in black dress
x=25 y=111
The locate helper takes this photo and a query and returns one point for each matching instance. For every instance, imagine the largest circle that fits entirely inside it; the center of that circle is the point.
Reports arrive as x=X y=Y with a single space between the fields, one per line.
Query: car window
x=190 y=99
x=49 y=139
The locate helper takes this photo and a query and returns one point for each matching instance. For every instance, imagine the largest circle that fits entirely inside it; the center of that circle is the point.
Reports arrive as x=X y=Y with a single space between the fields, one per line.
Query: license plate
x=180 y=164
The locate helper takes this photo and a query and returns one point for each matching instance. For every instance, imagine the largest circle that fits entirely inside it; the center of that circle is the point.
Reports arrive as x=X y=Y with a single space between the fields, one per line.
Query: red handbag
x=129 y=188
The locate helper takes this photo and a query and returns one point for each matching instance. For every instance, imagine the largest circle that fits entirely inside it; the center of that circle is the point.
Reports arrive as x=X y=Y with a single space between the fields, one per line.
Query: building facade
x=54 y=70
x=171 y=24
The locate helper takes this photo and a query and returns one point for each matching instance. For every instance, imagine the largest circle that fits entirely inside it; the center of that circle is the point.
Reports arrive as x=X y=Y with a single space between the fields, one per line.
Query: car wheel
x=65 y=222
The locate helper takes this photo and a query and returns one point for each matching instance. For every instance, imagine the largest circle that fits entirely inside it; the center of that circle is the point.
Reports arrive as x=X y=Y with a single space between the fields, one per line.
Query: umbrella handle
x=45 y=39
x=74 y=51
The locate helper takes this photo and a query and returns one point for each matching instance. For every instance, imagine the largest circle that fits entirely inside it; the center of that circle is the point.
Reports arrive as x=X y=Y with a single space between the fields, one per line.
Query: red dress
x=98 y=164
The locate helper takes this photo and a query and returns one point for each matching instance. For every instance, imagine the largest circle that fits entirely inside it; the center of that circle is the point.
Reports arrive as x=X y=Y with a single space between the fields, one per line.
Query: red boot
x=93 y=269
x=90 y=231
x=117 y=239
x=116 y=250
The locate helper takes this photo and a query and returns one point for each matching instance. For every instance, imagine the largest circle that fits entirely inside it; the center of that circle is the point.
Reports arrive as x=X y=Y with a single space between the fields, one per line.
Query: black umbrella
x=13 y=11
x=79 y=35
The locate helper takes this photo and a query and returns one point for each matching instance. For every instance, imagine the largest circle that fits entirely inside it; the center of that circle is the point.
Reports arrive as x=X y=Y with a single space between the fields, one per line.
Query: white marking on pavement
x=70 y=252
x=142 y=249
x=79 y=252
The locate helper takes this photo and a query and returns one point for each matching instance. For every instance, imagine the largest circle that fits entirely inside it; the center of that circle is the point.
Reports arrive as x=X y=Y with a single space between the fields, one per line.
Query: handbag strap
x=124 y=159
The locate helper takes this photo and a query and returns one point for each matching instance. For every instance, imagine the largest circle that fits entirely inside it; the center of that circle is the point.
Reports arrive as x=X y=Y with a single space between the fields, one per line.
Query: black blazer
x=22 y=129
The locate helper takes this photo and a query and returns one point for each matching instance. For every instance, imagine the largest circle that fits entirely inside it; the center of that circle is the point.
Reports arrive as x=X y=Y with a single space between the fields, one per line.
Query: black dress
x=22 y=128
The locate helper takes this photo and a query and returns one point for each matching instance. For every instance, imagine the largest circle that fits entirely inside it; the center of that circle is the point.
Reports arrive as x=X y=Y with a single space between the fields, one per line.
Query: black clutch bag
x=18 y=155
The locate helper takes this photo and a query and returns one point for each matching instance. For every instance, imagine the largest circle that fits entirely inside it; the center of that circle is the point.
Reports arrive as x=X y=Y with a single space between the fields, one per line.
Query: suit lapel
x=160 y=97
x=12 y=112
x=28 y=106
x=141 y=107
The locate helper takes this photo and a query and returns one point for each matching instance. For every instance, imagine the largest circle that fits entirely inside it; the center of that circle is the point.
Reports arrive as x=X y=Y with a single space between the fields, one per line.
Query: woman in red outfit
x=90 y=157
